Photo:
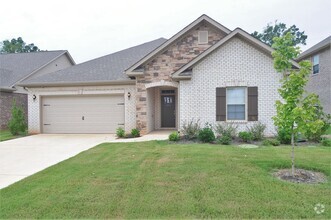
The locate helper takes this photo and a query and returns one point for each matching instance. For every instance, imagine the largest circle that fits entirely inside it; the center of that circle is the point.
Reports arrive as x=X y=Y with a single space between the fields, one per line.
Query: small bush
x=135 y=132
x=283 y=136
x=245 y=136
x=174 y=136
x=206 y=134
x=17 y=122
x=270 y=142
x=226 y=129
x=257 y=130
x=191 y=129
x=120 y=132
x=226 y=140
x=326 y=142
x=326 y=118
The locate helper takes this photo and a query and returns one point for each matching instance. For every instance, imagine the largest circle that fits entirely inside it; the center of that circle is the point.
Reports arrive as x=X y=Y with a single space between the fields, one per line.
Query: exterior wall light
x=129 y=95
x=34 y=97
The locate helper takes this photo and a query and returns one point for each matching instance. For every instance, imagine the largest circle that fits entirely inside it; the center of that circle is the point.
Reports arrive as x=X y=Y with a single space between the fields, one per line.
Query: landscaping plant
x=135 y=132
x=246 y=136
x=257 y=131
x=174 y=136
x=120 y=132
x=226 y=140
x=226 y=129
x=270 y=142
x=17 y=123
x=297 y=110
x=191 y=129
x=206 y=134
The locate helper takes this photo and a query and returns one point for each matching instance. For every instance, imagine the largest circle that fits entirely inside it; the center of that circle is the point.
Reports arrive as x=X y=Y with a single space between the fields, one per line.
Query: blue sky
x=90 y=29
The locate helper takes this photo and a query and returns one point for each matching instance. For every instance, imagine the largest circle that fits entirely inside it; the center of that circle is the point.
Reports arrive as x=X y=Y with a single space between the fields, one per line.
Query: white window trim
x=312 y=61
x=199 y=40
x=226 y=105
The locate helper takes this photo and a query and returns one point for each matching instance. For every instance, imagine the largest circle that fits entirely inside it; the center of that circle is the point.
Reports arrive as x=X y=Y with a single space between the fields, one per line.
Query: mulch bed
x=301 y=176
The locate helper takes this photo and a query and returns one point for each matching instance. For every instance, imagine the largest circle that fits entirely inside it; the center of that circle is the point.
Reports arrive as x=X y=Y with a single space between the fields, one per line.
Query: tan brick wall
x=171 y=59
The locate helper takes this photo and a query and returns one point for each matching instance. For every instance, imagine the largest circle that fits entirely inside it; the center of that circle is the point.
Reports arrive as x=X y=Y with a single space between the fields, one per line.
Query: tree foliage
x=279 y=30
x=17 y=123
x=17 y=46
x=297 y=111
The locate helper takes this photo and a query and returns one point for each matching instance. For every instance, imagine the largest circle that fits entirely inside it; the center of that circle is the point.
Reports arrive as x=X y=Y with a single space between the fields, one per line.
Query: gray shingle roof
x=16 y=66
x=104 y=69
x=323 y=44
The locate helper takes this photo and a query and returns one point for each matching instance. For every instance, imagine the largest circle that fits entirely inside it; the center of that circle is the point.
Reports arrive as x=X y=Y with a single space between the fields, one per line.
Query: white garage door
x=82 y=114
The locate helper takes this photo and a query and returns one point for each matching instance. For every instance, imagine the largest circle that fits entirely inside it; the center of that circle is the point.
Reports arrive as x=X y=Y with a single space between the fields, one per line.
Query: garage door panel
x=82 y=114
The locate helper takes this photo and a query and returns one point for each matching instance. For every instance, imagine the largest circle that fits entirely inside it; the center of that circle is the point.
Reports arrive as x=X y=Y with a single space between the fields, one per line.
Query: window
x=236 y=103
x=316 y=62
x=203 y=37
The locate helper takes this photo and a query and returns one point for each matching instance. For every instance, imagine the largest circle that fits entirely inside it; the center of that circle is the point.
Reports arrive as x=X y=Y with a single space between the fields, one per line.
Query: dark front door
x=168 y=111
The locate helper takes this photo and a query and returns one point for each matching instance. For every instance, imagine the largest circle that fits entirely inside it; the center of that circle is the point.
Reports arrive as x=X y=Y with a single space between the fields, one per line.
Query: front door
x=168 y=111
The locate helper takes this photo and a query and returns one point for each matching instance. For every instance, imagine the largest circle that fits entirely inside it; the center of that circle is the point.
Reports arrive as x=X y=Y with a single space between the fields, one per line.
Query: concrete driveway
x=25 y=156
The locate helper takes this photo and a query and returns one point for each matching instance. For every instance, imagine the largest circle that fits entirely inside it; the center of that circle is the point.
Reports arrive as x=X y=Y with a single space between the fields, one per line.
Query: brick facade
x=6 y=103
x=163 y=65
x=236 y=63
x=320 y=83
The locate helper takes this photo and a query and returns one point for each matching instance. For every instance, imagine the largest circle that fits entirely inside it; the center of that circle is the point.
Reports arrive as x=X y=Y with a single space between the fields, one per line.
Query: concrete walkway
x=25 y=156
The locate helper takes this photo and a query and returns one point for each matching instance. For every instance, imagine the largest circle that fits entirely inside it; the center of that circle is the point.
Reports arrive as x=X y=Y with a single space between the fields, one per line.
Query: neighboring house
x=205 y=72
x=320 y=80
x=15 y=67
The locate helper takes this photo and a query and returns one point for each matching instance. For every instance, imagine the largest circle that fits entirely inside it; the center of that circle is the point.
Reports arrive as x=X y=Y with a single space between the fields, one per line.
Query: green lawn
x=6 y=135
x=161 y=180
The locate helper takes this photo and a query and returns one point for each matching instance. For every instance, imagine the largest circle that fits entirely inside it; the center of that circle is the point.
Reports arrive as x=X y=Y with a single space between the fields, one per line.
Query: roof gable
x=316 y=48
x=17 y=66
x=185 y=71
x=135 y=68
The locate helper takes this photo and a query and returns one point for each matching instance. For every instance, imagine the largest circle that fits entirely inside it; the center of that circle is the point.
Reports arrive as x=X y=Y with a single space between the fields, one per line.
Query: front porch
x=162 y=108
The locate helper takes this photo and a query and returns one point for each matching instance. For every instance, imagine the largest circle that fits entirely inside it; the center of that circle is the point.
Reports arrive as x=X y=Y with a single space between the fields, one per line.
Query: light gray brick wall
x=236 y=63
x=34 y=105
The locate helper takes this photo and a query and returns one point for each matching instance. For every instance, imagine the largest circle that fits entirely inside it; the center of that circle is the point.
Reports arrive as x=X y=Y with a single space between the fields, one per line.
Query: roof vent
x=203 y=37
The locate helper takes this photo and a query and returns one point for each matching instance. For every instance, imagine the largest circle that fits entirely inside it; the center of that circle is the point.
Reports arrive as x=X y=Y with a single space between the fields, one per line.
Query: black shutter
x=220 y=104
x=252 y=104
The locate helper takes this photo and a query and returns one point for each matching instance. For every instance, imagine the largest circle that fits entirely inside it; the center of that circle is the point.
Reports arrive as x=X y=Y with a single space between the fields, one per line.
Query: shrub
x=326 y=118
x=191 y=129
x=120 y=132
x=17 y=122
x=284 y=136
x=270 y=142
x=245 y=136
x=257 y=130
x=226 y=140
x=226 y=129
x=206 y=134
x=174 y=136
x=326 y=142
x=135 y=132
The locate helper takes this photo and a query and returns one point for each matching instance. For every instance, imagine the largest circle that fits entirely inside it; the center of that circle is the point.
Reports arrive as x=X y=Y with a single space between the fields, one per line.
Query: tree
x=17 y=123
x=279 y=30
x=297 y=112
x=17 y=46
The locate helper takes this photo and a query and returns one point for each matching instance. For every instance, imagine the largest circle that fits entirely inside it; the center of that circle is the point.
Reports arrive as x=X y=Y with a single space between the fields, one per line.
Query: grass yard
x=6 y=135
x=161 y=180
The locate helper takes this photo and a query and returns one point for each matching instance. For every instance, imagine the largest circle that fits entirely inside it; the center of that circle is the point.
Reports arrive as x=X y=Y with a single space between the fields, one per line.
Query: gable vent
x=203 y=37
